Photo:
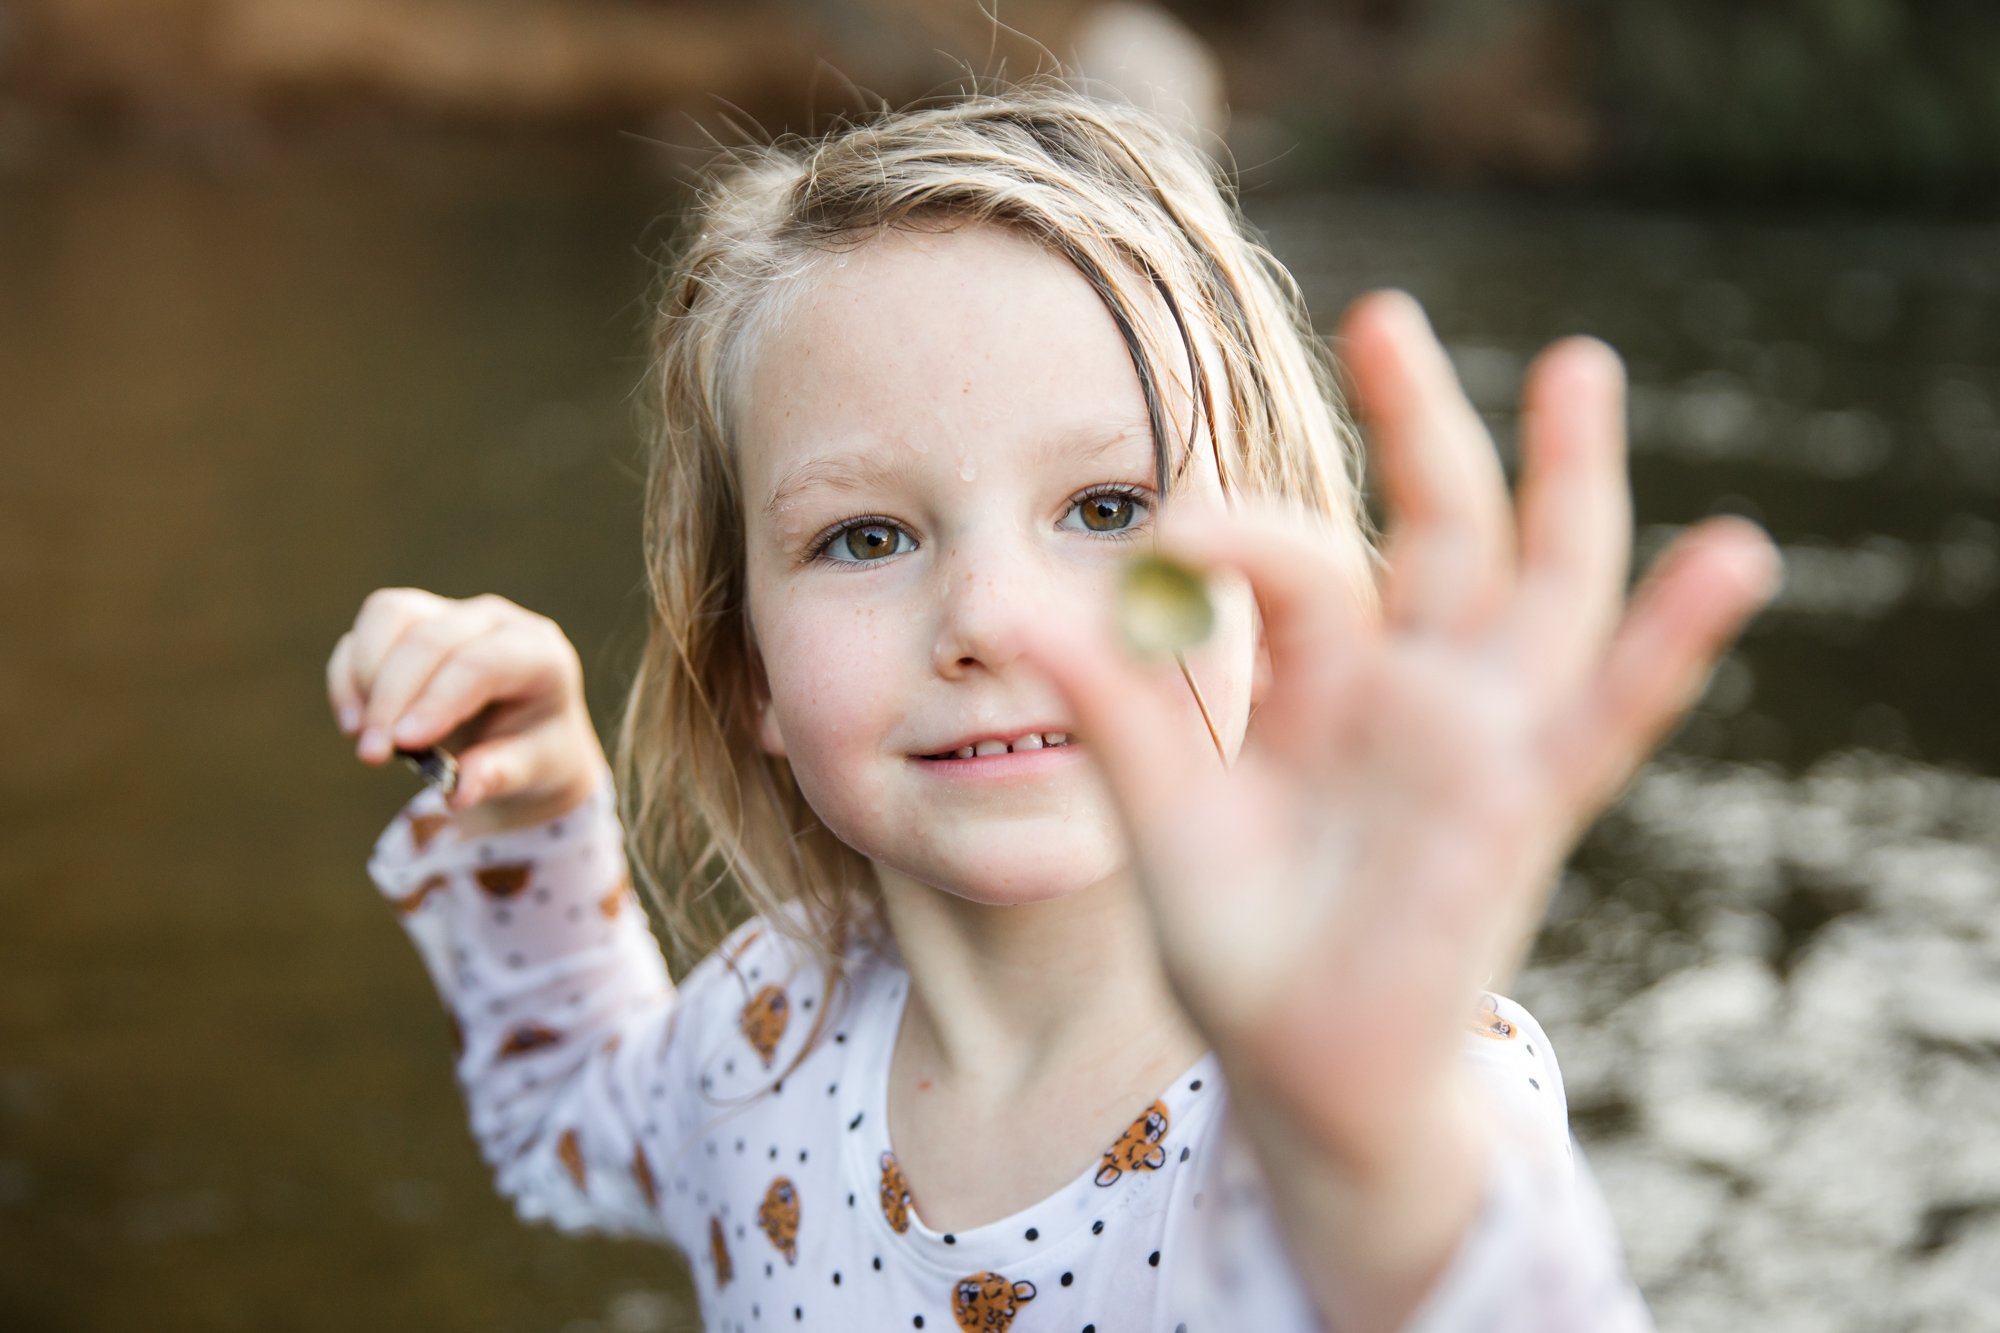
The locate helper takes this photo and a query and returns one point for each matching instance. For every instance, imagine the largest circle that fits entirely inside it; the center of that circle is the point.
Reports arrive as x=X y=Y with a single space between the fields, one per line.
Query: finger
x=411 y=660
x=1706 y=585
x=384 y=615
x=340 y=688
x=507 y=661
x=1314 y=591
x=1140 y=727
x=497 y=769
x=1575 y=511
x=1450 y=536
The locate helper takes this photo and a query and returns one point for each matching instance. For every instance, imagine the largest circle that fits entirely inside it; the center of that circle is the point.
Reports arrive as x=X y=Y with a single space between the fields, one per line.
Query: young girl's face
x=944 y=441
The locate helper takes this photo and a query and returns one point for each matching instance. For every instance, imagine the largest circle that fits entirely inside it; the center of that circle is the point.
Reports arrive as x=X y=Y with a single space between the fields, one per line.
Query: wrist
x=1372 y=1228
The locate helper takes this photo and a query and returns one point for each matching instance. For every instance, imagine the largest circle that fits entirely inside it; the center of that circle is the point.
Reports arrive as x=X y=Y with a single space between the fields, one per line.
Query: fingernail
x=350 y=717
x=409 y=727
x=374 y=744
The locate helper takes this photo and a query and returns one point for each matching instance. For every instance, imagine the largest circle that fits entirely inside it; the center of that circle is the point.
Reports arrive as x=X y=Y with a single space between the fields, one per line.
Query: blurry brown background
x=1889 y=101
x=302 y=297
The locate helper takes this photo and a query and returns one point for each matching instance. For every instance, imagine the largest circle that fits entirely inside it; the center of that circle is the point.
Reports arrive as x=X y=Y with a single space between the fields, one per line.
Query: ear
x=768 y=735
x=765 y=721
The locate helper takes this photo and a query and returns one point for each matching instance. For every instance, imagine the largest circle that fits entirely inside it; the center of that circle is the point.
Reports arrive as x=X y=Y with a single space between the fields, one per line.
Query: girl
x=1078 y=991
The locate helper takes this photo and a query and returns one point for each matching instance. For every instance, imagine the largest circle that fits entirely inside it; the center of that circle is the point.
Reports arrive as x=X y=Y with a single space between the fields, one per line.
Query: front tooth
x=990 y=747
x=1056 y=738
x=1028 y=742
x=965 y=752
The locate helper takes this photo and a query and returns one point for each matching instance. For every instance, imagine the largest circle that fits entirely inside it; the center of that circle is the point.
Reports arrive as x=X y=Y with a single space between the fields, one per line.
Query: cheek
x=831 y=675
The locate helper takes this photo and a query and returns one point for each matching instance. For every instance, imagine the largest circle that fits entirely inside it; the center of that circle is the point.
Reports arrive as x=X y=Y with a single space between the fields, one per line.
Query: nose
x=985 y=598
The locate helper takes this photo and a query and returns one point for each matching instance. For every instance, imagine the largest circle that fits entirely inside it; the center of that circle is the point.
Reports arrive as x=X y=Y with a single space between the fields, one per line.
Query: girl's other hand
x=497 y=685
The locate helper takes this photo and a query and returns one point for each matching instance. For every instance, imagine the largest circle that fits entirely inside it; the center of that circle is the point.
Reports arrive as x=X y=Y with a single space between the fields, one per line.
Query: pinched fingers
x=1575 y=513
x=341 y=690
x=523 y=657
x=1694 y=602
x=402 y=666
x=351 y=669
x=504 y=766
x=1450 y=540
x=1315 y=592
x=1136 y=722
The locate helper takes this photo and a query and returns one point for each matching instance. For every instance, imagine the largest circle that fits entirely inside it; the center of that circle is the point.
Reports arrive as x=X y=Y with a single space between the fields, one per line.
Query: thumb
x=1126 y=716
x=508 y=768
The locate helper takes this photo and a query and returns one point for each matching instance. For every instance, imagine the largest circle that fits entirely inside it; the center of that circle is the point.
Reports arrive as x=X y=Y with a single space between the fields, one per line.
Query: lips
x=1014 y=743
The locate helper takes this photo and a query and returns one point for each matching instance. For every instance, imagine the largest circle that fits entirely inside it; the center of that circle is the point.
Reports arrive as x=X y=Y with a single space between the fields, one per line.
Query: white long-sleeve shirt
x=740 y=1117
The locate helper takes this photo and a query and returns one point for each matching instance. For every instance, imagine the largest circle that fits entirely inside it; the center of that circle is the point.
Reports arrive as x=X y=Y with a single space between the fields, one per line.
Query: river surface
x=236 y=397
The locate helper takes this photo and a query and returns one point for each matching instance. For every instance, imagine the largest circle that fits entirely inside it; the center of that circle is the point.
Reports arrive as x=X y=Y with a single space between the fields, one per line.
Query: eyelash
x=1140 y=496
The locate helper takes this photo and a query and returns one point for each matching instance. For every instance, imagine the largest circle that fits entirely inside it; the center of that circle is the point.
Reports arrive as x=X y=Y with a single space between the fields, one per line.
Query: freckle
x=923 y=1085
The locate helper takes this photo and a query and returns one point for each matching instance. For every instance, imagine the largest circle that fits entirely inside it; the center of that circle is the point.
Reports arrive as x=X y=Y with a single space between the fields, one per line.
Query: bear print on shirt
x=778 y=1215
x=764 y=1019
x=529 y=1037
x=569 y=1150
x=718 y=1249
x=611 y=902
x=988 y=1302
x=895 y=1194
x=423 y=891
x=506 y=880
x=1487 y=1022
x=423 y=828
x=642 y=1172
x=1138 y=1148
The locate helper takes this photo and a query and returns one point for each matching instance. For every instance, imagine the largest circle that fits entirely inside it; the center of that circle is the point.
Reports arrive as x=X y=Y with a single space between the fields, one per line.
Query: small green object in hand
x=1163 y=607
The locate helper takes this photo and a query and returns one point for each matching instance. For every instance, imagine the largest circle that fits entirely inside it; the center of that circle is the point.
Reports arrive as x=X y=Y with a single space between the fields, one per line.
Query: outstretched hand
x=1329 y=906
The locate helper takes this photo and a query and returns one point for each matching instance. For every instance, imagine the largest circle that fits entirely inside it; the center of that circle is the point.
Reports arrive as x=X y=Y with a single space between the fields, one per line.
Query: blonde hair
x=1140 y=213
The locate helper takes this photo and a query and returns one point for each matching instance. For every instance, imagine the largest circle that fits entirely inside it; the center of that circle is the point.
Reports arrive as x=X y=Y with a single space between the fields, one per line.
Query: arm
x=516 y=896
x=561 y=1007
x=1418 y=766
x=1538 y=1253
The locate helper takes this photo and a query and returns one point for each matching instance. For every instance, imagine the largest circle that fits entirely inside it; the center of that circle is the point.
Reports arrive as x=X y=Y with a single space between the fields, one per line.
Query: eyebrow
x=834 y=472
x=865 y=471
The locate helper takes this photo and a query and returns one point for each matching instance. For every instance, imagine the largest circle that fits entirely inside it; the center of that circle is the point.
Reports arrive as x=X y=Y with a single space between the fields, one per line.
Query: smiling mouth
x=1033 y=740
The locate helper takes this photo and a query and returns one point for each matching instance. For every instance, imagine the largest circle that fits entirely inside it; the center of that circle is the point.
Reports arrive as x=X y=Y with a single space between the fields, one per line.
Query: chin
x=1015 y=876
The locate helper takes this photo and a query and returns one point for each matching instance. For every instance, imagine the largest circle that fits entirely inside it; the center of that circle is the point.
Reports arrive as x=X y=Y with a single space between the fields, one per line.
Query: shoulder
x=1516 y=1065
x=765 y=992
x=770 y=950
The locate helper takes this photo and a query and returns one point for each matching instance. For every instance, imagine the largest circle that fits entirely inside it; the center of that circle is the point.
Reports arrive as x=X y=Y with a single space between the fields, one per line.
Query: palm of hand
x=1329 y=905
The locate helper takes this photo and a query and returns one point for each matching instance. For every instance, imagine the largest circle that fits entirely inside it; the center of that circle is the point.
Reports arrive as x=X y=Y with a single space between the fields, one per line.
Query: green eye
x=1107 y=512
x=870 y=541
x=1163 y=607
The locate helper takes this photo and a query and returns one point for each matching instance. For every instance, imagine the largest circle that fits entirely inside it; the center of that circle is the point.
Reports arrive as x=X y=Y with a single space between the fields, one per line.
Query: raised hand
x=499 y=684
x=1426 y=753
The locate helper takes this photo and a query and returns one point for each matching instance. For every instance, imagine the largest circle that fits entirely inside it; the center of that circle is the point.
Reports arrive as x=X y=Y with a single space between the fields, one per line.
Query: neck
x=1005 y=998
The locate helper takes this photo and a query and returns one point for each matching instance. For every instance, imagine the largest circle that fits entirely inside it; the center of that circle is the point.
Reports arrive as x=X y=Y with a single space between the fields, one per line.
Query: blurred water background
x=253 y=365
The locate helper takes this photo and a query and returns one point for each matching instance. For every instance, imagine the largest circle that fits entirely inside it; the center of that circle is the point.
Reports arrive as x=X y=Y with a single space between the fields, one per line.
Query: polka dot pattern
x=700 y=1117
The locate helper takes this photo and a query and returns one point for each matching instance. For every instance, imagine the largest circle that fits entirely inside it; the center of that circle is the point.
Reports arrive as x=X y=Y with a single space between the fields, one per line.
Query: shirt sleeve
x=562 y=1012
x=1543 y=1255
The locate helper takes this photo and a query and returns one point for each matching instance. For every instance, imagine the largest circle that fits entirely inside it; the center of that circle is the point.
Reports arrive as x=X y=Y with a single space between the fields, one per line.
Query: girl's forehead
x=925 y=340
